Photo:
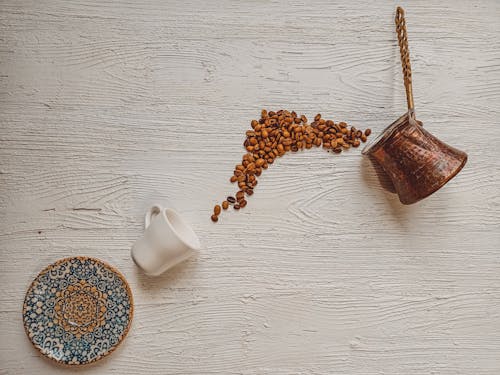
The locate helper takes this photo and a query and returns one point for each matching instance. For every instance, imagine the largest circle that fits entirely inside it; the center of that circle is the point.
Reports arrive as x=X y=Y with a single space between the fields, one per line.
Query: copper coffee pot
x=417 y=162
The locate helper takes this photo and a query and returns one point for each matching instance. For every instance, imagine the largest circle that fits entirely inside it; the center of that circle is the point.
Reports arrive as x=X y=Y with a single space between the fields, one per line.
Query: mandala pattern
x=77 y=310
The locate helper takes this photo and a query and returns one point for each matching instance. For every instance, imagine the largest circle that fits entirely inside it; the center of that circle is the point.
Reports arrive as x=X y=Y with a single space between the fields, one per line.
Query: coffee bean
x=277 y=133
x=217 y=210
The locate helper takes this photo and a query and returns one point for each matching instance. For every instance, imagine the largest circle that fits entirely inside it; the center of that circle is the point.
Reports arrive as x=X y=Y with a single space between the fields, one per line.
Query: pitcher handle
x=405 y=55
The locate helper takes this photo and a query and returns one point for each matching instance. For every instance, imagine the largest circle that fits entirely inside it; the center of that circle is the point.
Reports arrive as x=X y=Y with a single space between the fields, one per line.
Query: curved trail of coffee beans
x=275 y=134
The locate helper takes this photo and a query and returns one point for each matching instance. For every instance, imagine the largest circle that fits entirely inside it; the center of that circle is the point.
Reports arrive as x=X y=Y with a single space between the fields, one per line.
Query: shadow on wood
x=383 y=179
x=401 y=212
x=154 y=283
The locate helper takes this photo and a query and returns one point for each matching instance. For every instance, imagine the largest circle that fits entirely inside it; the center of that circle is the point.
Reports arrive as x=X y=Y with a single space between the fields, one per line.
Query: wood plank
x=108 y=107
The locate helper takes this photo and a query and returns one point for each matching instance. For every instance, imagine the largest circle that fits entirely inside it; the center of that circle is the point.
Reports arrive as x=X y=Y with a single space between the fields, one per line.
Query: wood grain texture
x=108 y=106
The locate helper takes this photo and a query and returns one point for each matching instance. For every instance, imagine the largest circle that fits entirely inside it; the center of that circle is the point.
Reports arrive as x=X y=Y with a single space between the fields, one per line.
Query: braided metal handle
x=405 y=55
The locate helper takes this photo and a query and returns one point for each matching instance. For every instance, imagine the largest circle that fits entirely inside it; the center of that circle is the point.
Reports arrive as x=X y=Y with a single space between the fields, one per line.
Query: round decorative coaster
x=77 y=310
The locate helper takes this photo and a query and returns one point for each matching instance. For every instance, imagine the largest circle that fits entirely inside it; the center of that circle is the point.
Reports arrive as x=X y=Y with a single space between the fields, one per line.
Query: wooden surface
x=108 y=106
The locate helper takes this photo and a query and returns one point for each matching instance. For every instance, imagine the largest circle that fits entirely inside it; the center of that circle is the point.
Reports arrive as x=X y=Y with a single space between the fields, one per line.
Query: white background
x=107 y=106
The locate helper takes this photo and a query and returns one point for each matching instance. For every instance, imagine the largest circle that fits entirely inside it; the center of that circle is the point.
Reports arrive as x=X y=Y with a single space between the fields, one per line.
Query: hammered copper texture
x=417 y=162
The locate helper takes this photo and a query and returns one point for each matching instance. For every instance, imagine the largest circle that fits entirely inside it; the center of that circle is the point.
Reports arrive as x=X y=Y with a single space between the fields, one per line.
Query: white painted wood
x=107 y=106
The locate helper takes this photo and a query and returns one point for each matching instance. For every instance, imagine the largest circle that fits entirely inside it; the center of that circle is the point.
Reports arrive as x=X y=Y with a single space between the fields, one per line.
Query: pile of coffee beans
x=277 y=133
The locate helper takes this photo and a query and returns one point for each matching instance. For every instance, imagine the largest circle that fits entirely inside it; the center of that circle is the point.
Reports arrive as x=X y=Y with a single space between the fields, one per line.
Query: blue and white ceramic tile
x=77 y=310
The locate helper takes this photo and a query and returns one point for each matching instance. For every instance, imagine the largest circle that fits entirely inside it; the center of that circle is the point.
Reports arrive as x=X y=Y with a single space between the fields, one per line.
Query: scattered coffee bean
x=217 y=210
x=277 y=133
x=215 y=218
